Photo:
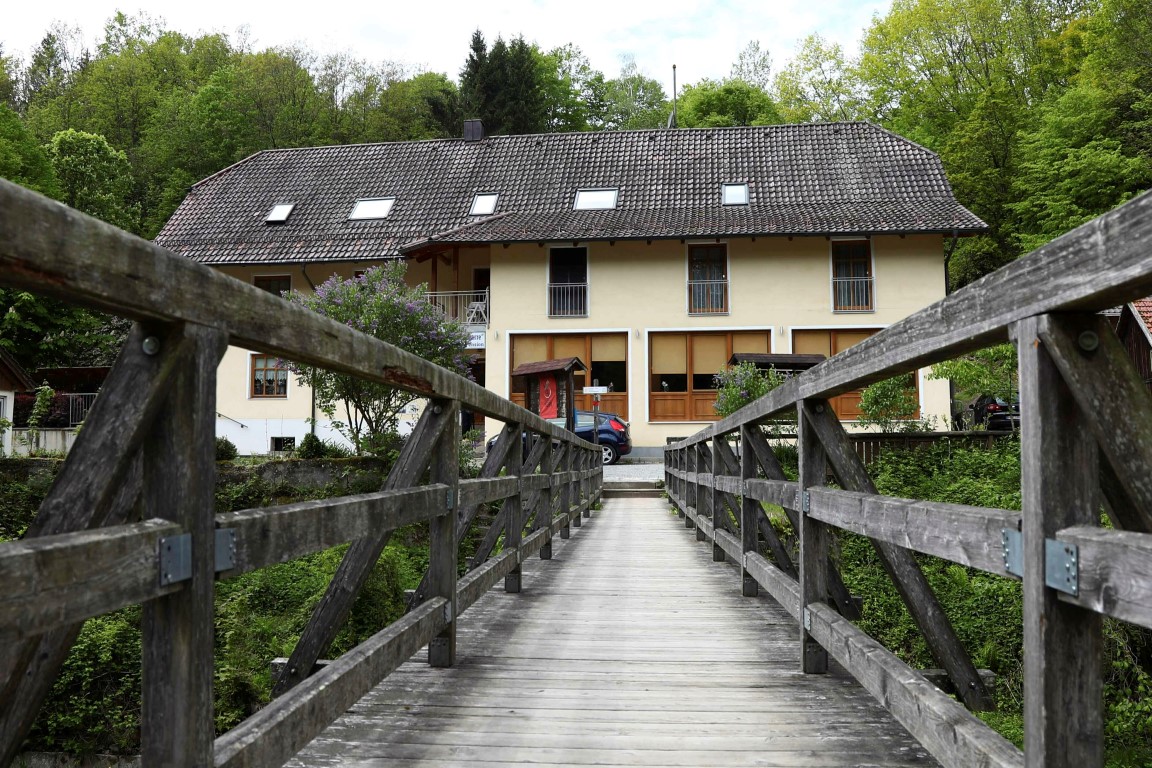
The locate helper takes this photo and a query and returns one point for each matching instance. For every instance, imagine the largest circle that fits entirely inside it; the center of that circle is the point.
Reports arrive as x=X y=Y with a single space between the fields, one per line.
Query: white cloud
x=702 y=39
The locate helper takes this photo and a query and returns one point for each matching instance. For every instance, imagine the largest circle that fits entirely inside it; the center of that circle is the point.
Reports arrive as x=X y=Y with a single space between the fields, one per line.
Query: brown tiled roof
x=563 y=364
x=811 y=179
x=1143 y=309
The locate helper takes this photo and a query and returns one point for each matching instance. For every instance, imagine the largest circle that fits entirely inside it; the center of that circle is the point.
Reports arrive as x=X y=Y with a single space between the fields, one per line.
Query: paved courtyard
x=649 y=470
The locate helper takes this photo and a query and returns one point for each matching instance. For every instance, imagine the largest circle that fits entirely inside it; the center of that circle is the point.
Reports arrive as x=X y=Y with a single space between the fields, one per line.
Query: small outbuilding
x=550 y=388
x=13 y=379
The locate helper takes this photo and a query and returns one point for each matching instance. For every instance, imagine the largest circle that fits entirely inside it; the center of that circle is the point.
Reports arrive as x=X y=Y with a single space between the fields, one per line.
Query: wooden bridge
x=617 y=644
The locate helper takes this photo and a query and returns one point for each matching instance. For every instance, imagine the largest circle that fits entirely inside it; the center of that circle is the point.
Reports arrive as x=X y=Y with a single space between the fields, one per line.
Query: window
x=605 y=354
x=735 y=194
x=683 y=367
x=372 y=208
x=852 y=276
x=283 y=444
x=269 y=377
x=279 y=213
x=707 y=279
x=595 y=199
x=277 y=285
x=483 y=205
x=568 y=282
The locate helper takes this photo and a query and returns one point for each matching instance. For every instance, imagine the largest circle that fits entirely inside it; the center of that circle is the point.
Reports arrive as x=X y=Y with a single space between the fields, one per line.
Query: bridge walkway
x=629 y=647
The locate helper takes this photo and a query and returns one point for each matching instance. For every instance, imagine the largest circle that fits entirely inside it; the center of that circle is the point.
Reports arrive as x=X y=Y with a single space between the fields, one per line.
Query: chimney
x=473 y=130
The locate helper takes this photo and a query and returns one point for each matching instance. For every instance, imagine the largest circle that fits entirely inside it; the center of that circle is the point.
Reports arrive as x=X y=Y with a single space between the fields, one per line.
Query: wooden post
x=513 y=512
x=566 y=451
x=813 y=536
x=1063 y=719
x=715 y=505
x=555 y=497
x=585 y=485
x=444 y=468
x=750 y=511
x=176 y=721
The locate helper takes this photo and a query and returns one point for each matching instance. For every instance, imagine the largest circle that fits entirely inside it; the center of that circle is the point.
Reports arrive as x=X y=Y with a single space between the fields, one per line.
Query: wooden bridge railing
x=1086 y=442
x=130 y=517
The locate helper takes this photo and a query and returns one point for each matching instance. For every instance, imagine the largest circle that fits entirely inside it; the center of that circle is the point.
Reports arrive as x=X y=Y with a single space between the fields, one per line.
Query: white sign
x=595 y=390
x=476 y=340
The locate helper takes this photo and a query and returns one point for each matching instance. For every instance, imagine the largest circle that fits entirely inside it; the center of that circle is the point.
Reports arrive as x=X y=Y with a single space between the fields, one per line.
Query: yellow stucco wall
x=776 y=284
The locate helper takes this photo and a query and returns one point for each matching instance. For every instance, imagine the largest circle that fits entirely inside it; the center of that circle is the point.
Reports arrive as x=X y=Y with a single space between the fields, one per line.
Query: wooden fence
x=1086 y=443
x=130 y=518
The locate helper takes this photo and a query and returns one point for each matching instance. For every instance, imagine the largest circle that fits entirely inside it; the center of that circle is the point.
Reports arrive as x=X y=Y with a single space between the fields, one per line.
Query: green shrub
x=225 y=449
x=310 y=448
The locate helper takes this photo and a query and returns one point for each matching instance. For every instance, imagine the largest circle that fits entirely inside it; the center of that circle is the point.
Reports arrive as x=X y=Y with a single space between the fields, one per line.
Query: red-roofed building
x=1135 y=331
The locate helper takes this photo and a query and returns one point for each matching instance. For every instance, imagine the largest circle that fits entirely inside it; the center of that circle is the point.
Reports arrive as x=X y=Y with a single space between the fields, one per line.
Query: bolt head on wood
x=1089 y=341
x=150 y=345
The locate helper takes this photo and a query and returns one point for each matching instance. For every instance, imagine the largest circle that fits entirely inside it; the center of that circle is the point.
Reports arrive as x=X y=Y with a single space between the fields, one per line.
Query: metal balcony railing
x=852 y=294
x=467 y=307
x=568 y=299
x=707 y=297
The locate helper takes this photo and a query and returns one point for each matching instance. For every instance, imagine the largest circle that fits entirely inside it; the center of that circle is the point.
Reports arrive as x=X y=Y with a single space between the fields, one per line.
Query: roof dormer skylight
x=735 y=194
x=483 y=204
x=372 y=208
x=279 y=213
x=595 y=199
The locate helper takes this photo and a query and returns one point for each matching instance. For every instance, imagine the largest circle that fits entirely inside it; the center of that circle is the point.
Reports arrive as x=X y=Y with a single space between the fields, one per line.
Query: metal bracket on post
x=450 y=501
x=806 y=501
x=1062 y=566
x=807 y=620
x=1013 y=542
x=175 y=555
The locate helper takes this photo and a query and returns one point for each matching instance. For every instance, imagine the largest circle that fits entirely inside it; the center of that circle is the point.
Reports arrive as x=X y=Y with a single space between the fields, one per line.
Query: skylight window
x=595 y=199
x=735 y=194
x=372 y=208
x=483 y=205
x=279 y=213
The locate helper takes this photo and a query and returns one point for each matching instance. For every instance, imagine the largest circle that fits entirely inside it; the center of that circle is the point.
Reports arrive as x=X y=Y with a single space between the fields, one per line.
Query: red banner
x=549 y=405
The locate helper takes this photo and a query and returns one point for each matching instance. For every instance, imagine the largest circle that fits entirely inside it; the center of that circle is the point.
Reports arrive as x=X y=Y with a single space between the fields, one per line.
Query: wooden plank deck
x=629 y=647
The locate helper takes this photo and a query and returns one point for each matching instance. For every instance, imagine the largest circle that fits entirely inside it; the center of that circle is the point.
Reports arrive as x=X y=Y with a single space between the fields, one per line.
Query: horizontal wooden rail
x=288 y=723
x=1115 y=572
x=55 y=581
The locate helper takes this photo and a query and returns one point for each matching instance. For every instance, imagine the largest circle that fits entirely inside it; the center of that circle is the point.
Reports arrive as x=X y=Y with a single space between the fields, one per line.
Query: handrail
x=148 y=445
x=1083 y=407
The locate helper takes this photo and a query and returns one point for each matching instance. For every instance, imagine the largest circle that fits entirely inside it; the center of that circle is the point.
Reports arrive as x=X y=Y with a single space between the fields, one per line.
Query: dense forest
x=1040 y=109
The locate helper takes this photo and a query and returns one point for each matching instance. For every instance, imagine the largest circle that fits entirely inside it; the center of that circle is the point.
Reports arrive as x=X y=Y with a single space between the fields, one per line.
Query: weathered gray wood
x=484 y=490
x=954 y=736
x=332 y=611
x=1063 y=644
x=1115 y=570
x=513 y=516
x=44 y=589
x=179 y=455
x=905 y=572
x=814 y=538
x=782 y=493
x=729 y=545
x=1101 y=378
x=444 y=467
x=477 y=581
x=269 y=535
x=36 y=662
x=279 y=730
x=967 y=535
x=784 y=589
x=751 y=513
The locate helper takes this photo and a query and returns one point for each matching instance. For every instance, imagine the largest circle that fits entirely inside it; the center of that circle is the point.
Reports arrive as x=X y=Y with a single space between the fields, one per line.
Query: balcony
x=467 y=307
x=567 y=299
x=852 y=294
x=707 y=297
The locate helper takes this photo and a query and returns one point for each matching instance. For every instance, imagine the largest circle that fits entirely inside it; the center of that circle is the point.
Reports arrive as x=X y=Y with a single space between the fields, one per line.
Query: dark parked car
x=615 y=441
x=995 y=414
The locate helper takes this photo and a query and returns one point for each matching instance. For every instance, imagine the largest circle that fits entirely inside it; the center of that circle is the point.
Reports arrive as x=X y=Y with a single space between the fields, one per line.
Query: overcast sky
x=702 y=39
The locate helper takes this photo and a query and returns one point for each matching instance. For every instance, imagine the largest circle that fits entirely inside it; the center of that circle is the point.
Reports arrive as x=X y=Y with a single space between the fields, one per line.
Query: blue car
x=614 y=438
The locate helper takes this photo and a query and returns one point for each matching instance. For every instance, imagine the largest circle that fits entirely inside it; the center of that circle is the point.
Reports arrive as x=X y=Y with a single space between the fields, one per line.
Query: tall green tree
x=22 y=159
x=93 y=177
x=818 y=85
x=709 y=104
x=634 y=100
x=753 y=65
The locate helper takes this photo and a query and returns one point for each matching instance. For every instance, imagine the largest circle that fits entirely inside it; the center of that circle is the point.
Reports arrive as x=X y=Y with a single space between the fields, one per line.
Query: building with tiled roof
x=1134 y=327
x=651 y=255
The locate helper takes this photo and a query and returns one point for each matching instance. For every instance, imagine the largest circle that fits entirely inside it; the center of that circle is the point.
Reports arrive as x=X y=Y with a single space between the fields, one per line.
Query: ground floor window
x=829 y=343
x=605 y=354
x=682 y=367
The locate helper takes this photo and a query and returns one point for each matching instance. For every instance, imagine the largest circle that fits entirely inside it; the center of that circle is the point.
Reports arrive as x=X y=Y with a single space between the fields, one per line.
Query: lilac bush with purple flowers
x=379 y=303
